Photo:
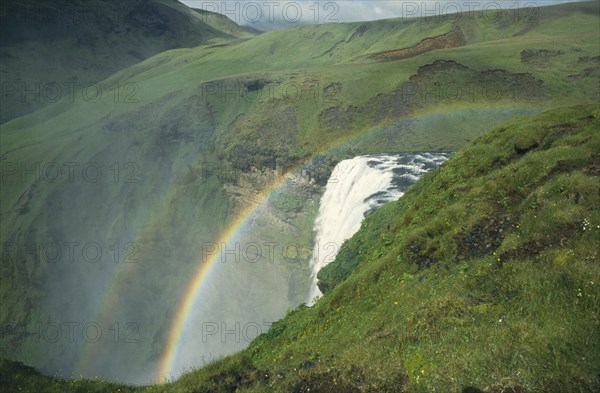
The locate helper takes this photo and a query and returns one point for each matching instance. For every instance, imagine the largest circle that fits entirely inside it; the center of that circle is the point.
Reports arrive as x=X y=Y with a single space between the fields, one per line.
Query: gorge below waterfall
x=356 y=188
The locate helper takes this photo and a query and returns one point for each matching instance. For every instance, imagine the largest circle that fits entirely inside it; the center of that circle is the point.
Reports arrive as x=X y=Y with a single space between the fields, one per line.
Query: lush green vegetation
x=367 y=89
x=484 y=275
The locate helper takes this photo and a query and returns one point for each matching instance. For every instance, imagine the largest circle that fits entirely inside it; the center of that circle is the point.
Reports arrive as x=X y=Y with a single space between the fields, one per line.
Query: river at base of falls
x=356 y=188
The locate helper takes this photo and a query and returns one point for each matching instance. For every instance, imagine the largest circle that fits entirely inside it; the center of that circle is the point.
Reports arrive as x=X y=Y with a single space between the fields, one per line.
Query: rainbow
x=121 y=274
x=192 y=292
x=195 y=285
x=165 y=369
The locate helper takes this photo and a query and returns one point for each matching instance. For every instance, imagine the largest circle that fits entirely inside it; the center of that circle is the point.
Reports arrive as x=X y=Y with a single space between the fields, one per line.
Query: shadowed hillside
x=66 y=45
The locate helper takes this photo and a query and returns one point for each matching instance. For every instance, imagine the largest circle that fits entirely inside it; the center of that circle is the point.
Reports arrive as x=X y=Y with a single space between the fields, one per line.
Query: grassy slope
x=80 y=42
x=172 y=120
x=430 y=306
x=356 y=95
x=223 y=23
x=485 y=274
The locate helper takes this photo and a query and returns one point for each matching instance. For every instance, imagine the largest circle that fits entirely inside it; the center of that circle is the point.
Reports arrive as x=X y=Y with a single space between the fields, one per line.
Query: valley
x=142 y=215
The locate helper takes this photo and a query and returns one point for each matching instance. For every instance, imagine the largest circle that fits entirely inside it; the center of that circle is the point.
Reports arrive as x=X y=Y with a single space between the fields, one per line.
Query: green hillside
x=66 y=46
x=268 y=107
x=484 y=276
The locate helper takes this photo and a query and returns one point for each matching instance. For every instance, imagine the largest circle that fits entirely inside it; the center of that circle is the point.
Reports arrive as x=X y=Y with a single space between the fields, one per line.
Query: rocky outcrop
x=453 y=39
x=483 y=237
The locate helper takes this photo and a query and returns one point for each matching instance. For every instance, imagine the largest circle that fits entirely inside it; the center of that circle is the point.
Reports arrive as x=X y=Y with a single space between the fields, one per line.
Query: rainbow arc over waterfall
x=193 y=290
x=192 y=293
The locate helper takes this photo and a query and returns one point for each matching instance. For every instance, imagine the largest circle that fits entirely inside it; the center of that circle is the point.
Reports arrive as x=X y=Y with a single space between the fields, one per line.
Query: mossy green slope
x=356 y=103
x=484 y=274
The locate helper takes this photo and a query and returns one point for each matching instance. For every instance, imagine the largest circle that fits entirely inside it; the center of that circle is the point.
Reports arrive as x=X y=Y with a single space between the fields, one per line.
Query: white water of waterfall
x=356 y=188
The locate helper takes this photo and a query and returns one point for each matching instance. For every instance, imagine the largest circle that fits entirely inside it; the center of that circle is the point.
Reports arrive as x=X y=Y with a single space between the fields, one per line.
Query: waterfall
x=356 y=188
